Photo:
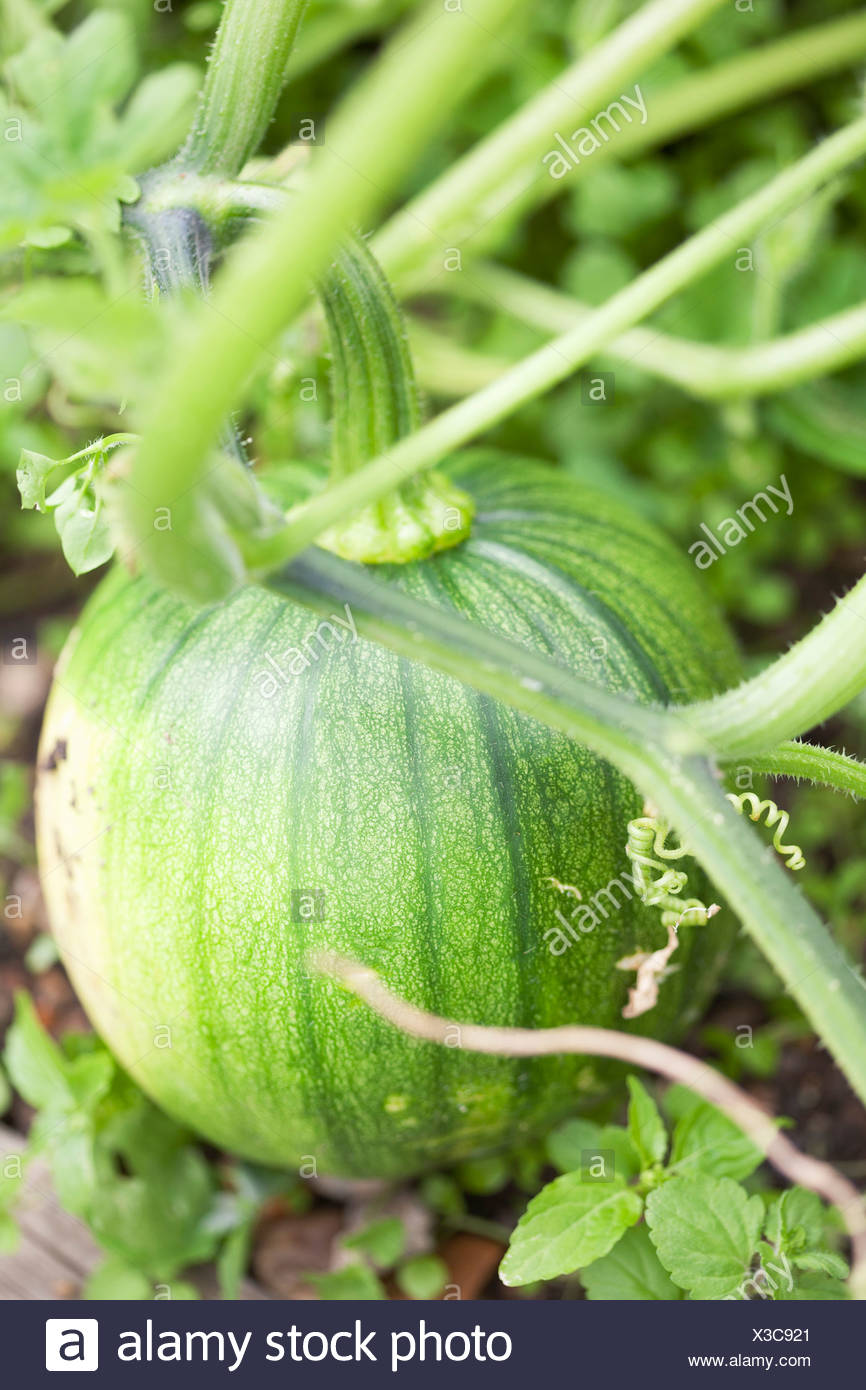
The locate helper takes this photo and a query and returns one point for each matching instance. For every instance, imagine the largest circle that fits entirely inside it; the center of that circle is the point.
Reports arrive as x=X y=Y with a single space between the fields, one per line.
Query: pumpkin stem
x=376 y=403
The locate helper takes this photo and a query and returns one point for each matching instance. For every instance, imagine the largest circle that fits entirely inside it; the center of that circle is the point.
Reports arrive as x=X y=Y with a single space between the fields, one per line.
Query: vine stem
x=653 y=748
x=371 y=140
x=818 y=676
x=667 y=1061
x=711 y=373
x=244 y=78
x=823 y=766
x=488 y=172
x=504 y=169
x=555 y=361
x=705 y=371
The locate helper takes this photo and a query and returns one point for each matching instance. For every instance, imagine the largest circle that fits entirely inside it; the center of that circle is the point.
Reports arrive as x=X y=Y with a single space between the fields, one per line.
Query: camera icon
x=71 y=1344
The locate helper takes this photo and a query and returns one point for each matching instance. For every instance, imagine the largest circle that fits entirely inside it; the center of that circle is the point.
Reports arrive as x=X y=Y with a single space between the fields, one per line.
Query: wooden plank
x=56 y=1252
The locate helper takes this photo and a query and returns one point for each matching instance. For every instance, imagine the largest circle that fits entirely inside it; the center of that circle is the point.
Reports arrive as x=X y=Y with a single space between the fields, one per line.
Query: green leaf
x=795 y=1221
x=31 y=475
x=355 y=1282
x=484 y=1175
x=80 y=516
x=706 y=1141
x=566 y=1144
x=645 y=1125
x=181 y=1291
x=89 y=1077
x=98 y=346
x=761 y=1057
x=126 y=1169
x=568 y=1225
x=614 y=200
x=5 y=1092
x=232 y=1259
x=84 y=534
x=113 y=1280
x=133 y=1218
x=65 y=160
x=96 y=61
x=570 y=1146
x=68 y=1141
x=705 y=1231
x=383 y=1240
x=255 y=1184
x=158 y=115
x=442 y=1194
x=35 y=1063
x=811 y=1287
x=822 y=1262
x=795 y=1225
x=631 y=1270
x=527 y=1165
x=423 y=1277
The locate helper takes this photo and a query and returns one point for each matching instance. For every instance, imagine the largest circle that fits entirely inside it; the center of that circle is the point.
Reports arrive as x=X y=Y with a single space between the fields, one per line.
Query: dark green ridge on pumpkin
x=426 y=817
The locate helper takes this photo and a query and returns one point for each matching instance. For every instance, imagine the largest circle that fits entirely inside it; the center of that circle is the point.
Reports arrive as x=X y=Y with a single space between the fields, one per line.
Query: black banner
x=483 y=1344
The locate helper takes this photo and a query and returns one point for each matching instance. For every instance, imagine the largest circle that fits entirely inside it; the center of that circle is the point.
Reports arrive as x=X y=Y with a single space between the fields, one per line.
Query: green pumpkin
x=223 y=791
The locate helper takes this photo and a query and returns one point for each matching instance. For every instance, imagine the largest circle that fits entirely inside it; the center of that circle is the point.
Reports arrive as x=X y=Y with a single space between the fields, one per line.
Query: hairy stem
x=505 y=167
x=244 y=79
x=375 y=396
x=267 y=278
x=811 y=682
x=711 y=373
x=654 y=1056
x=558 y=359
x=375 y=403
x=809 y=763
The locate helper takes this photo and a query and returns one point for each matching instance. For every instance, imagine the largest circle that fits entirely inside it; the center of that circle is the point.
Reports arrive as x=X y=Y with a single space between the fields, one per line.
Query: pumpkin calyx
x=376 y=403
x=425 y=515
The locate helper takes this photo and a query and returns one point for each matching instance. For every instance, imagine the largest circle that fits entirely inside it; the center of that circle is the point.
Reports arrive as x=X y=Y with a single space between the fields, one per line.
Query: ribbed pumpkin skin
x=425 y=818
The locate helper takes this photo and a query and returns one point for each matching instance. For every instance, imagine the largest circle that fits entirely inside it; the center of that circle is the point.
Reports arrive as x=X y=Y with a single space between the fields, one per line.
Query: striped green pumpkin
x=223 y=790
